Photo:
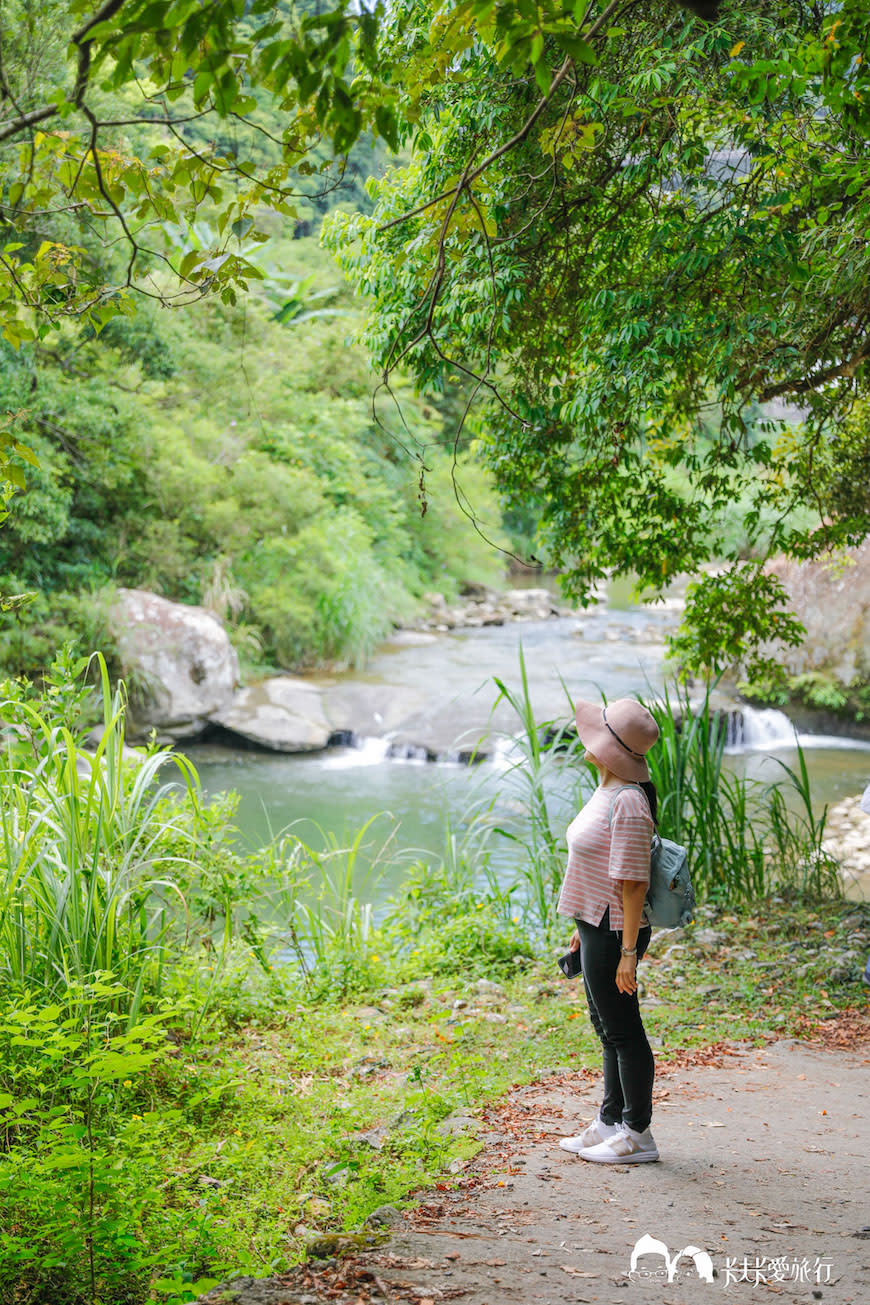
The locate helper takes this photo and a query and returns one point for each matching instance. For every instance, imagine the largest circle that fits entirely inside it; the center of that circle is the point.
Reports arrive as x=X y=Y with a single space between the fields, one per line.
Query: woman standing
x=604 y=889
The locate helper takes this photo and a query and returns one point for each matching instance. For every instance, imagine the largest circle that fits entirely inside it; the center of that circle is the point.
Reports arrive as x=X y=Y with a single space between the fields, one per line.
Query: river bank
x=444 y=1050
x=281 y=1053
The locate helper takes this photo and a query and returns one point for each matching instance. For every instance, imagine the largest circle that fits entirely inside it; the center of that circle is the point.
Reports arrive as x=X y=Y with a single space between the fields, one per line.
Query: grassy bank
x=210 y=1060
x=286 y=1118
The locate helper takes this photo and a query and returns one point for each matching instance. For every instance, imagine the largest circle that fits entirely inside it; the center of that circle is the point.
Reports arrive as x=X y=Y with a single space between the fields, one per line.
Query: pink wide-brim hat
x=619 y=734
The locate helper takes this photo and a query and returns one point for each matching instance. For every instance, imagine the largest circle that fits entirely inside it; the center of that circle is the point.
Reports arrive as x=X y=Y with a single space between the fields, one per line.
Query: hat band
x=630 y=751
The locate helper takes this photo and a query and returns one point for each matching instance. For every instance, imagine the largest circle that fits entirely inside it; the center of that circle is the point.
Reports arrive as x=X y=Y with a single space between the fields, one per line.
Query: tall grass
x=316 y=894
x=796 y=834
x=711 y=813
x=744 y=837
x=541 y=783
x=87 y=884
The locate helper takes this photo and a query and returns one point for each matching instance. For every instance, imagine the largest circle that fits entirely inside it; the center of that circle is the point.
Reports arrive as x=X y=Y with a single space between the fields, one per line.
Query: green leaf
x=579 y=50
x=385 y=120
x=543 y=77
x=202 y=84
x=226 y=93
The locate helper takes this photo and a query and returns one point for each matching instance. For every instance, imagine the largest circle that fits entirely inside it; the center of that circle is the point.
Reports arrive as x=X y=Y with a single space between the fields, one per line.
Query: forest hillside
x=229 y=455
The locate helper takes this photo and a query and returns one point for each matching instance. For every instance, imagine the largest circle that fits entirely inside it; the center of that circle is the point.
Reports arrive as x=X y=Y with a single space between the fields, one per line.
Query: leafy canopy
x=117 y=119
x=626 y=226
x=640 y=239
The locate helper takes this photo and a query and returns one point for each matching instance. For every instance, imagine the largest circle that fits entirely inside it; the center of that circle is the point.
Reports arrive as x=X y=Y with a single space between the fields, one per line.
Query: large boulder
x=831 y=598
x=284 y=714
x=178 y=662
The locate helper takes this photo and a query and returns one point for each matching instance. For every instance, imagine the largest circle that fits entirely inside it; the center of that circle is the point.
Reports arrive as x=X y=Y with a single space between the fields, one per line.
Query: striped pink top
x=600 y=858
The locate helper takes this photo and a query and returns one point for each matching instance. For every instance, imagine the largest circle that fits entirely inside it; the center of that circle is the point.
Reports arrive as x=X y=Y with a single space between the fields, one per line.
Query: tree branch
x=812 y=382
x=518 y=136
x=83 y=70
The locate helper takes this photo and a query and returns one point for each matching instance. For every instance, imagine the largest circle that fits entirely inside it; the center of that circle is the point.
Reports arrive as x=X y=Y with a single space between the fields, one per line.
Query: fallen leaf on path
x=578 y=1273
x=711 y=1123
x=496 y=1264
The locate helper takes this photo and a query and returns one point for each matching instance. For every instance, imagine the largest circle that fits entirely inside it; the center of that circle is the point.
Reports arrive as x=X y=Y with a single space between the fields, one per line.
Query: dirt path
x=765 y=1166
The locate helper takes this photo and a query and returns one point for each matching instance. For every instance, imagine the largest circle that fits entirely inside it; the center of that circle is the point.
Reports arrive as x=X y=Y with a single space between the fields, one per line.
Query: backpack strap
x=622 y=789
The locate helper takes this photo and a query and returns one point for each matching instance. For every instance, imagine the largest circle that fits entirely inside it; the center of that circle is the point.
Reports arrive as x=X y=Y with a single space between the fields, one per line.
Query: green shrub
x=321 y=595
x=32 y=634
x=476 y=943
x=82 y=1188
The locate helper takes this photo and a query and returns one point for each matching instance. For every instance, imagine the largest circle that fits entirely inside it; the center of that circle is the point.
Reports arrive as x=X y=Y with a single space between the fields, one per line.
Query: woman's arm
x=631 y=830
x=633 y=895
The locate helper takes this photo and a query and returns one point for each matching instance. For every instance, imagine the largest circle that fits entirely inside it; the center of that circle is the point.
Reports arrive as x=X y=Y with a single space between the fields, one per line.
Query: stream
x=448 y=680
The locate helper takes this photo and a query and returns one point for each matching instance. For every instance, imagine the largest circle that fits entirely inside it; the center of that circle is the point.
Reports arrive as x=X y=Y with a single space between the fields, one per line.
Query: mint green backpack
x=670 y=898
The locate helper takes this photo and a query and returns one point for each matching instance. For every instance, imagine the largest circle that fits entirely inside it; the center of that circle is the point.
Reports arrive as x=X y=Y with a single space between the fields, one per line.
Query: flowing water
x=447 y=682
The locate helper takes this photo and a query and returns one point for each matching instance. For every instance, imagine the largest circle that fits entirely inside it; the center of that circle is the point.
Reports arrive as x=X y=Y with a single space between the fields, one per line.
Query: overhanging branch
x=518 y=137
x=25 y=121
x=806 y=384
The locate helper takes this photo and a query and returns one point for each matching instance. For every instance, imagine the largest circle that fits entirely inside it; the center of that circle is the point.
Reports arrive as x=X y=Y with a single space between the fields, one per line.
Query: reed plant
x=539 y=791
x=87 y=883
x=700 y=806
x=795 y=842
x=318 y=893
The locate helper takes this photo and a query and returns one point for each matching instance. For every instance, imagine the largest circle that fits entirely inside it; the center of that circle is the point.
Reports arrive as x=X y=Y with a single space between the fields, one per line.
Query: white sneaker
x=592 y=1134
x=625 y=1147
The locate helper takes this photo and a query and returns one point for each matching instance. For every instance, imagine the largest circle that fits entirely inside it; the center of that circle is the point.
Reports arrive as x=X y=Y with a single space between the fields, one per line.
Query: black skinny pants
x=629 y=1068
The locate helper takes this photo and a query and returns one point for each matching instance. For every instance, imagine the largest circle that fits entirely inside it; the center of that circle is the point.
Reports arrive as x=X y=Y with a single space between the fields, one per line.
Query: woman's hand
x=626 y=974
x=574 y=944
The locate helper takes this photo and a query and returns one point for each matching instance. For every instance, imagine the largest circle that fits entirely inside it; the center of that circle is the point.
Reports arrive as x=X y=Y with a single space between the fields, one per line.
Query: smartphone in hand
x=569 y=964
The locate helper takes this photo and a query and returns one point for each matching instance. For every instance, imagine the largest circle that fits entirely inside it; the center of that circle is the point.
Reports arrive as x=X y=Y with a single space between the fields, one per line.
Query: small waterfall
x=408 y=752
x=362 y=752
x=506 y=752
x=759 y=729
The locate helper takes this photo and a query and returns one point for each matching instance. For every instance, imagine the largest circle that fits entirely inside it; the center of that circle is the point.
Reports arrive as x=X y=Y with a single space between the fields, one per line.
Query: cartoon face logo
x=663 y=1267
